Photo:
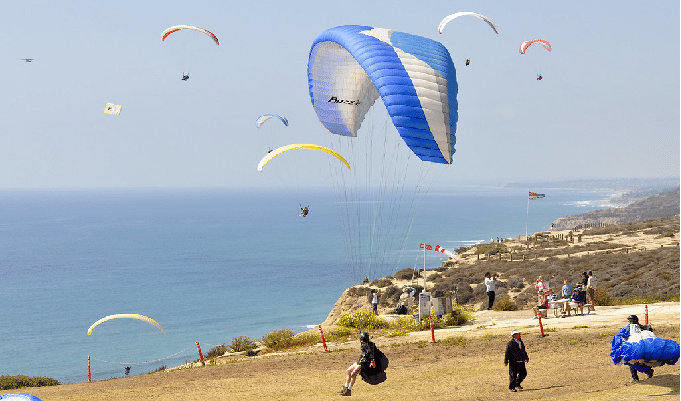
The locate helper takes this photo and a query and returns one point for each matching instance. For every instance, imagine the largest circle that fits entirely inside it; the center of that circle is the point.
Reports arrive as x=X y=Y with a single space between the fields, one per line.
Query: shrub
x=218 y=350
x=504 y=303
x=382 y=282
x=19 y=381
x=601 y=297
x=461 y=315
x=340 y=333
x=362 y=320
x=278 y=339
x=491 y=249
x=461 y=250
x=390 y=296
x=407 y=274
x=242 y=343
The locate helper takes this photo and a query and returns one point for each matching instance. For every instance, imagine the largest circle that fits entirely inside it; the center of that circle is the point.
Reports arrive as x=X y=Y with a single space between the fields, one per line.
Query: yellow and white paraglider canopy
x=271 y=155
x=126 y=316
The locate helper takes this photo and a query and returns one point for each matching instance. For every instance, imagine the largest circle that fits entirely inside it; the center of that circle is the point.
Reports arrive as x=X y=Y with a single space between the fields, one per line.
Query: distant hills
x=665 y=204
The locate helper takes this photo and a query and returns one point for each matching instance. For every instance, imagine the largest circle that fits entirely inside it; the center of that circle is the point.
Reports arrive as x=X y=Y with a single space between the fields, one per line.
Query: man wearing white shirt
x=490 y=283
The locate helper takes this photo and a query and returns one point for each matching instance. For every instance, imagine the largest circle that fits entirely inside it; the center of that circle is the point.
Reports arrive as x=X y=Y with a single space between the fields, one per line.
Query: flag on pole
x=428 y=247
x=535 y=196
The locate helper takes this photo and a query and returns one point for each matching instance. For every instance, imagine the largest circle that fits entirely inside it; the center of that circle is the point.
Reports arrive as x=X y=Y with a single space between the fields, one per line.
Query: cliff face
x=658 y=206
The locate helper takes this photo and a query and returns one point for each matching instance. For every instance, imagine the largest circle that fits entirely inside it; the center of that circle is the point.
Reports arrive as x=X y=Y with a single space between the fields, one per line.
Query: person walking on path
x=516 y=358
x=591 y=290
x=490 y=282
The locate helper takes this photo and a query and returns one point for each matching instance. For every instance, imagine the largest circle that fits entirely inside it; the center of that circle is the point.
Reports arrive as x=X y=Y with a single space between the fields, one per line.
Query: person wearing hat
x=577 y=301
x=516 y=358
x=371 y=366
x=625 y=332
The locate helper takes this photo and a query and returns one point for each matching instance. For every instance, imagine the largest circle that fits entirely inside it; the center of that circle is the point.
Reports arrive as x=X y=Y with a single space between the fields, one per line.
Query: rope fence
x=142 y=363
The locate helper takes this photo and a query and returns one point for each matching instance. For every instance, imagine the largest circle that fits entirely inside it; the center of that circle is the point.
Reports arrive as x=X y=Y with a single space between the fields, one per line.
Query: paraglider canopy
x=274 y=153
x=261 y=120
x=18 y=397
x=448 y=18
x=176 y=28
x=541 y=42
x=350 y=66
x=126 y=316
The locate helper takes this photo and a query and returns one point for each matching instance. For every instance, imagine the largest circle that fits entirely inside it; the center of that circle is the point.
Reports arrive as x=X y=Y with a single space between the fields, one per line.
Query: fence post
x=89 y=373
x=432 y=329
x=200 y=354
x=646 y=314
x=541 y=327
x=323 y=339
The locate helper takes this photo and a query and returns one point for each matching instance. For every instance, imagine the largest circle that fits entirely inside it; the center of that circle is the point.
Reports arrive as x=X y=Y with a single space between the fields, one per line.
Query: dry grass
x=568 y=364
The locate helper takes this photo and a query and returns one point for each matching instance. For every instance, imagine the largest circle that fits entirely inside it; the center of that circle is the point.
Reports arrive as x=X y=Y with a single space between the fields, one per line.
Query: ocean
x=208 y=265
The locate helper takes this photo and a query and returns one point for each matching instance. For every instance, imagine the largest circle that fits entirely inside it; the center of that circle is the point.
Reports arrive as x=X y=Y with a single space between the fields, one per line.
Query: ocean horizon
x=208 y=265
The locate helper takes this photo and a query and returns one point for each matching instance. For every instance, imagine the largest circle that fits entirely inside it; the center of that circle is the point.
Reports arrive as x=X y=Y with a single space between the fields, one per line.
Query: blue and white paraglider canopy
x=351 y=66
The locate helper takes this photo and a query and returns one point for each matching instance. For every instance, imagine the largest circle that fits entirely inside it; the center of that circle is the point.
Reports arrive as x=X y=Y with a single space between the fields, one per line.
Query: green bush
x=462 y=315
x=286 y=339
x=503 y=304
x=362 y=320
x=382 y=282
x=407 y=274
x=19 y=381
x=340 y=333
x=278 y=339
x=242 y=343
x=218 y=350
x=601 y=297
x=491 y=249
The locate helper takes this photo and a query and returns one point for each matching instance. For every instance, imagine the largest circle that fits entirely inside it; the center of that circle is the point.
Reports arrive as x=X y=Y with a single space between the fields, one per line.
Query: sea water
x=208 y=265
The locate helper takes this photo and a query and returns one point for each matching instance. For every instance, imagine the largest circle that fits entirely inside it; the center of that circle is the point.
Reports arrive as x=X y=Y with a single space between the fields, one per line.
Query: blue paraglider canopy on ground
x=19 y=397
x=633 y=345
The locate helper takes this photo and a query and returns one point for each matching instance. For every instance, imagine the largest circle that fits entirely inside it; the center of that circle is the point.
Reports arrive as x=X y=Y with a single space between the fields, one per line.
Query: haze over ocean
x=207 y=264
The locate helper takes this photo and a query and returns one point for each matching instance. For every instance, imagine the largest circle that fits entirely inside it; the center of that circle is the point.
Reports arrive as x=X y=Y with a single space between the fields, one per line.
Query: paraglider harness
x=373 y=363
x=185 y=77
x=304 y=211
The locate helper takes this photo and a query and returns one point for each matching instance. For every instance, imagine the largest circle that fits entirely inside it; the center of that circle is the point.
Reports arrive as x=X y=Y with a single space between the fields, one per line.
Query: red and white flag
x=535 y=196
x=428 y=247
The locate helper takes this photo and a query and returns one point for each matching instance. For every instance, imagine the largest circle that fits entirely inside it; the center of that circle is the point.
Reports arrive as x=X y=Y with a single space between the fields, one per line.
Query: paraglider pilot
x=371 y=366
x=468 y=61
x=636 y=367
x=185 y=76
x=539 y=77
x=304 y=211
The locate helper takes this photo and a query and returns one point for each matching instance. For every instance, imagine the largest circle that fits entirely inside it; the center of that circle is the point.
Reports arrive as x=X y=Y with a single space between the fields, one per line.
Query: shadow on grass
x=543 y=388
x=668 y=380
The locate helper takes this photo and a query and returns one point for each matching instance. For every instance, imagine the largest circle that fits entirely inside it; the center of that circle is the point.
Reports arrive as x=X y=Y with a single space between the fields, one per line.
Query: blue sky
x=608 y=105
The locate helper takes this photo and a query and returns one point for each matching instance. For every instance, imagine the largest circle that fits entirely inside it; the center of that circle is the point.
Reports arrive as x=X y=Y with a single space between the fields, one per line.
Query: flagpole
x=527 y=219
x=424 y=268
